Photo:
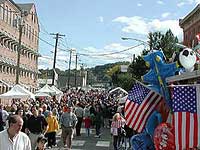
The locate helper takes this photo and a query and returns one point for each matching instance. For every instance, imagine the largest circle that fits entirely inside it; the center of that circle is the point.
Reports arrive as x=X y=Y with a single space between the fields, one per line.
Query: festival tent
x=15 y=92
x=118 y=89
x=46 y=89
x=58 y=92
x=22 y=89
x=40 y=94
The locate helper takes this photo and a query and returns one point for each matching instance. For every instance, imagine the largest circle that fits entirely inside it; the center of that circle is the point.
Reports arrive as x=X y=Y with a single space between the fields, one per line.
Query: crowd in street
x=33 y=124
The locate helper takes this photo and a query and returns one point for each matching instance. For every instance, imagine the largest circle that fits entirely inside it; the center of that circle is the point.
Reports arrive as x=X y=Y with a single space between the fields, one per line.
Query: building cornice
x=185 y=19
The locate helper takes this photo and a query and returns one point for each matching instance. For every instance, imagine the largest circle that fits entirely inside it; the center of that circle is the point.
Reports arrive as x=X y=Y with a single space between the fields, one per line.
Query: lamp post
x=134 y=39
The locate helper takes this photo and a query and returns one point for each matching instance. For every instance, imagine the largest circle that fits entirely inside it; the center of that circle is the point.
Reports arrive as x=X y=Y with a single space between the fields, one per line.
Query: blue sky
x=95 y=27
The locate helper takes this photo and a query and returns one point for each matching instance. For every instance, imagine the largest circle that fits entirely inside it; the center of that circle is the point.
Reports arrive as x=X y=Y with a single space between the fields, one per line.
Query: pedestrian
x=41 y=143
x=12 y=138
x=36 y=125
x=98 y=121
x=117 y=129
x=3 y=117
x=53 y=127
x=68 y=122
x=21 y=113
x=79 y=111
x=87 y=122
x=45 y=110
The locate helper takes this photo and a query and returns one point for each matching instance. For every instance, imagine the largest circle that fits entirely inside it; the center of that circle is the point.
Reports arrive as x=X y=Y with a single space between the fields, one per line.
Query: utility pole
x=22 y=14
x=70 y=59
x=76 y=72
x=55 y=52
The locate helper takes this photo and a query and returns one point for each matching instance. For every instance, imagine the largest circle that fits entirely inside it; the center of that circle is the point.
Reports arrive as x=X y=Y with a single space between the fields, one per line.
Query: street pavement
x=84 y=142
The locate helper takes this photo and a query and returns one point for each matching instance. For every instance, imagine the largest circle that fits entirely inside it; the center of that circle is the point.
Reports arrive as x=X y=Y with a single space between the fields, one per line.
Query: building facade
x=191 y=27
x=13 y=15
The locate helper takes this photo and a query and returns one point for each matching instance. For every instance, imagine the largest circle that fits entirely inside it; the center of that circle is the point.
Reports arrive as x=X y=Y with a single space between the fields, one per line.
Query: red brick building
x=10 y=17
x=191 y=27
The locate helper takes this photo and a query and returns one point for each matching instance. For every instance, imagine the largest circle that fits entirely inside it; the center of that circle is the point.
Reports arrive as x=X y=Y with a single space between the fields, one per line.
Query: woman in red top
x=87 y=122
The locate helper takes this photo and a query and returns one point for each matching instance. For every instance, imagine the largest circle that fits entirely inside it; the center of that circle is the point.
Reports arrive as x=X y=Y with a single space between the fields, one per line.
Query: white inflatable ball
x=187 y=58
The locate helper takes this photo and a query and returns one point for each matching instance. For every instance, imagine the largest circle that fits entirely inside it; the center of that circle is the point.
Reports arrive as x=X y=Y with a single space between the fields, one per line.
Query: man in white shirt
x=12 y=138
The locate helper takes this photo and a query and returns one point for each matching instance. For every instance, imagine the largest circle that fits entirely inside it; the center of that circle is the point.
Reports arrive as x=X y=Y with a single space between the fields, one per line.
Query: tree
x=138 y=68
x=165 y=42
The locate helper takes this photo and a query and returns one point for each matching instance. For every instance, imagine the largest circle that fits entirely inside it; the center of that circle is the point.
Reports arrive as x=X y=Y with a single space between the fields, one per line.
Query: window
x=3 y=13
x=7 y=14
x=32 y=35
x=32 y=17
x=35 y=37
x=26 y=30
x=29 y=32
x=10 y=17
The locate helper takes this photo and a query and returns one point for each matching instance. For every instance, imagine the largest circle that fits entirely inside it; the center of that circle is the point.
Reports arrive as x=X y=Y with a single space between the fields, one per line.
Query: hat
x=41 y=138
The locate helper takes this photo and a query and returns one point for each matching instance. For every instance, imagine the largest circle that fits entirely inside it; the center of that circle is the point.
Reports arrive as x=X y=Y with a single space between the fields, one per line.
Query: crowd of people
x=36 y=122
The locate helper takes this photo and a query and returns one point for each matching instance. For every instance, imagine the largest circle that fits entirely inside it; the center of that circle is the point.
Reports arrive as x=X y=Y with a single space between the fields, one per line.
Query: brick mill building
x=11 y=15
x=191 y=27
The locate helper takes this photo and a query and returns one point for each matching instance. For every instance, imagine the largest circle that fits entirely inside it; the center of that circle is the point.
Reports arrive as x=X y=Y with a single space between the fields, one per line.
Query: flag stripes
x=137 y=115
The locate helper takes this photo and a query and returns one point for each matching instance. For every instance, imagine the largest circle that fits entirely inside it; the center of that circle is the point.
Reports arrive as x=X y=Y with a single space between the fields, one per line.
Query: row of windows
x=14 y=19
x=12 y=71
x=13 y=47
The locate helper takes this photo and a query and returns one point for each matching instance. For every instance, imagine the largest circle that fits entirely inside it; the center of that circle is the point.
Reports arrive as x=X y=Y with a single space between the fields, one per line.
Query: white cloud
x=139 y=4
x=181 y=4
x=187 y=2
x=160 y=2
x=143 y=26
x=134 y=24
x=164 y=15
x=101 y=19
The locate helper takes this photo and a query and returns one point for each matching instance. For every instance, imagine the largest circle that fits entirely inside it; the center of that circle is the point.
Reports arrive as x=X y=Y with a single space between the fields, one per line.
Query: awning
x=6 y=83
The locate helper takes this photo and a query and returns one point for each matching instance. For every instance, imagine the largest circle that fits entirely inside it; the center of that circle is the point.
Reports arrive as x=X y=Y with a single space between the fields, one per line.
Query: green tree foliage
x=138 y=68
x=125 y=81
x=165 y=42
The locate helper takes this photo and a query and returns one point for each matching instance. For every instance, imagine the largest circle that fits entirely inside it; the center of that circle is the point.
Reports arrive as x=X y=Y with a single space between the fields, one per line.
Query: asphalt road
x=84 y=142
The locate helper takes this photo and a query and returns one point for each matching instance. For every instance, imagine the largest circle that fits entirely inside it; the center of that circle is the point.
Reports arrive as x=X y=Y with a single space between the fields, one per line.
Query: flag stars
x=184 y=99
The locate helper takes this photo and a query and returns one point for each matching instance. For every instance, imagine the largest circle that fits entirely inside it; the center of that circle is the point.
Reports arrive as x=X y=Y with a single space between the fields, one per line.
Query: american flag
x=186 y=117
x=141 y=102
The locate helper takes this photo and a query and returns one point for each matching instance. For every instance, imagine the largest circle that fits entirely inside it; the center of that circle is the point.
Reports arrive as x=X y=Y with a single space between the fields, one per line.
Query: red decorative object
x=164 y=137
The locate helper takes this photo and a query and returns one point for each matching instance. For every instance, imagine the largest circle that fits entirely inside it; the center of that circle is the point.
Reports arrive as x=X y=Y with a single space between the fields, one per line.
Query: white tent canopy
x=118 y=89
x=15 y=92
x=21 y=89
x=40 y=94
x=46 y=89
x=58 y=92
x=122 y=100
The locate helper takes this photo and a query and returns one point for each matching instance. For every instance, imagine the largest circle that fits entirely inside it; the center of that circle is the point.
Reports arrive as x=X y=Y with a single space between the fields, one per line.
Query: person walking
x=79 y=111
x=116 y=129
x=87 y=122
x=98 y=121
x=68 y=122
x=36 y=125
x=53 y=127
x=3 y=117
x=12 y=138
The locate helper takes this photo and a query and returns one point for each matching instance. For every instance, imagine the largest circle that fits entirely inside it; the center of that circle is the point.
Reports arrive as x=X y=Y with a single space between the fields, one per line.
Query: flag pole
x=164 y=90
